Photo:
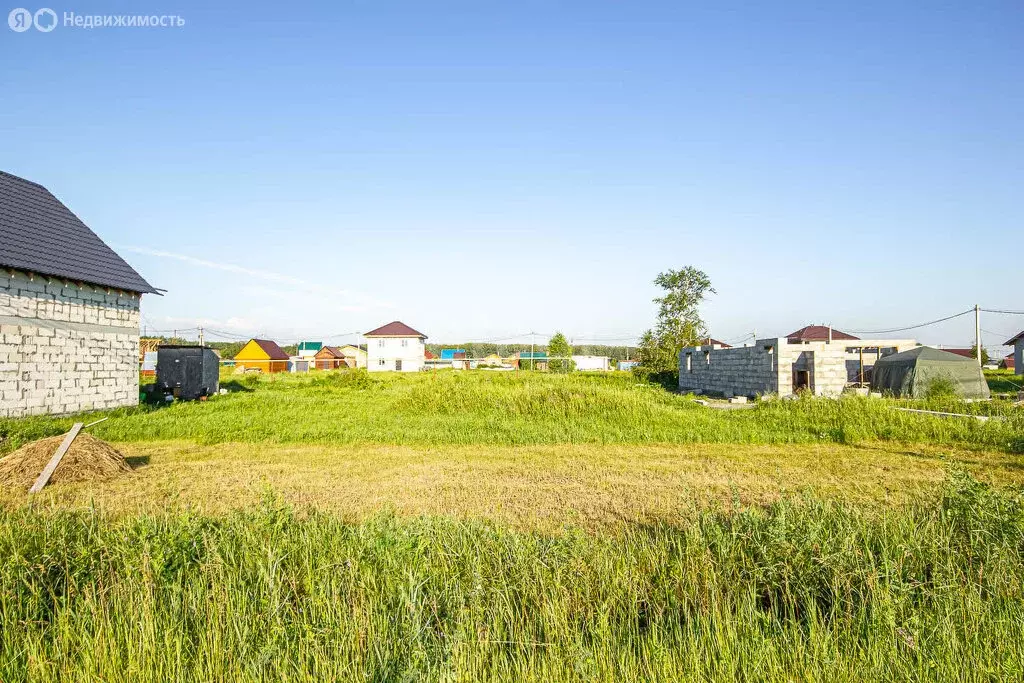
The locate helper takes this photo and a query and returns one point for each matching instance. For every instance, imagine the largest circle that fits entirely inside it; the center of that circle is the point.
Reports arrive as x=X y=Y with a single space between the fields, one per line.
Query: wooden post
x=44 y=476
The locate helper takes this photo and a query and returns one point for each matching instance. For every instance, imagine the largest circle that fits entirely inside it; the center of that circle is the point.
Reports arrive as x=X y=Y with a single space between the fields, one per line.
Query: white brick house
x=69 y=310
x=396 y=347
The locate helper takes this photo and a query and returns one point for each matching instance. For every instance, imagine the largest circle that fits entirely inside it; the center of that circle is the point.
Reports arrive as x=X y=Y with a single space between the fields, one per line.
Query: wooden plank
x=44 y=476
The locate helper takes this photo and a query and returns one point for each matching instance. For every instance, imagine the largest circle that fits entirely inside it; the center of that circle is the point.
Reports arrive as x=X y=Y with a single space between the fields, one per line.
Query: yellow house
x=355 y=357
x=492 y=359
x=262 y=354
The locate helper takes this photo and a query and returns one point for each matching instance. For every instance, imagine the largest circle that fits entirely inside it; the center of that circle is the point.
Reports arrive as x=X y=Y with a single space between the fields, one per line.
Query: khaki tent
x=912 y=373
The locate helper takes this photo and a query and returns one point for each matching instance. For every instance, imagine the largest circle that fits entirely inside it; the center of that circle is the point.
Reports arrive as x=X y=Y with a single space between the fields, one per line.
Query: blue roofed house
x=454 y=357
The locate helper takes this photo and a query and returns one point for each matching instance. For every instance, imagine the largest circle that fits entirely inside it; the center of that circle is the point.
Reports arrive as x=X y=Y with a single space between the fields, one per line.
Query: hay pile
x=88 y=459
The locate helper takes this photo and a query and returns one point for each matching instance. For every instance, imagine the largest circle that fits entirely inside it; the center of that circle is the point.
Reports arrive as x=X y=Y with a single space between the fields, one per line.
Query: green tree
x=655 y=356
x=558 y=347
x=679 y=323
x=984 y=353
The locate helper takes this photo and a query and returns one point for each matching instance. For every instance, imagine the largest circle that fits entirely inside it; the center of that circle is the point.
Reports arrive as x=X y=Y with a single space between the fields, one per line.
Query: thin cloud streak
x=280 y=278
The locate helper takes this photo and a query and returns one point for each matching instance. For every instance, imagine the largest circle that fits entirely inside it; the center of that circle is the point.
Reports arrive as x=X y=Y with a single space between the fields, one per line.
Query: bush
x=939 y=388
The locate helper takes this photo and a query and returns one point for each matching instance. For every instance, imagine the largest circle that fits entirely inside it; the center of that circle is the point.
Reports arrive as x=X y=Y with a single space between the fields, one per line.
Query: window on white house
x=380 y=343
x=380 y=362
x=405 y=342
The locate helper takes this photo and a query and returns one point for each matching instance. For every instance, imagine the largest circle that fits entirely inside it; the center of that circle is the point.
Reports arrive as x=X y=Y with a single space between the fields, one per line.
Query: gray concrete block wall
x=65 y=348
x=742 y=371
x=830 y=375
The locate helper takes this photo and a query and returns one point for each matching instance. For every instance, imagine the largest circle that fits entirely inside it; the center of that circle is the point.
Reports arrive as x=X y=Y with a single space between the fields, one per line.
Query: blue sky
x=480 y=169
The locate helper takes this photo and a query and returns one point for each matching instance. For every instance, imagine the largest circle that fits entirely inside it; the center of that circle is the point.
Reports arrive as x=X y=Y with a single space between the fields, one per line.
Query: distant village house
x=395 y=347
x=330 y=358
x=355 y=356
x=307 y=349
x=263 y=355
x=592 y=363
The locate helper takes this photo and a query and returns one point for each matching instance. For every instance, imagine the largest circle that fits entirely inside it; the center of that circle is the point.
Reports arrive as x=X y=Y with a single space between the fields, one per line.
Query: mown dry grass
x=529 y=487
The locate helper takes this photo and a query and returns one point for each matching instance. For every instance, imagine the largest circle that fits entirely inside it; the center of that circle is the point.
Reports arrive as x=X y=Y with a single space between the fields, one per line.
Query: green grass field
x=487 y=526
x=481 y=408
x=1004 y=381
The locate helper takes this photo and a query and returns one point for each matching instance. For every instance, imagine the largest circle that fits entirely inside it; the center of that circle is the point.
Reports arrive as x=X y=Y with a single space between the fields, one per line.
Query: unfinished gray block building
x=69 y=310
x=784 y=365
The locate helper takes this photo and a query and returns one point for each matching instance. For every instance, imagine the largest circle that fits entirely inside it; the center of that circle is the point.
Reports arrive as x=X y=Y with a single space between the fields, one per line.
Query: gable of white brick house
x=69 y=310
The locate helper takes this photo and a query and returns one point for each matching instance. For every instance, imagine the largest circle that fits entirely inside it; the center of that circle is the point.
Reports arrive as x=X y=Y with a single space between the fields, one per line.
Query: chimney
x=829 y=334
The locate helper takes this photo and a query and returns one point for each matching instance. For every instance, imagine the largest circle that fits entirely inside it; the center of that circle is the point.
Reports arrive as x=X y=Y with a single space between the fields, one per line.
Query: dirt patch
x=88 y=459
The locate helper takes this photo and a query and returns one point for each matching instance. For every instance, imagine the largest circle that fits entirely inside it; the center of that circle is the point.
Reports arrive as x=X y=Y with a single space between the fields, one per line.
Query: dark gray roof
x=39 y=234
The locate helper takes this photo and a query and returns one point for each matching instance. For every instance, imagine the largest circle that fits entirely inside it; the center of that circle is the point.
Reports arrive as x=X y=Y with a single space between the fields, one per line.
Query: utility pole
x=977 y=331
x=200 y=336
x=533 y=344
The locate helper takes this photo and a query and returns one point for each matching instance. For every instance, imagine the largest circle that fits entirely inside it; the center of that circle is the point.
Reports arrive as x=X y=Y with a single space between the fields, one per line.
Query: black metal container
x=187 y=372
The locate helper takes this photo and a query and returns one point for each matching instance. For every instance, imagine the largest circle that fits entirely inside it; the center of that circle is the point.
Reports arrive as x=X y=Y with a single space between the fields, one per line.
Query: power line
x=914 y=327
x=739 y=340
x=995 y=310
x=998 y=334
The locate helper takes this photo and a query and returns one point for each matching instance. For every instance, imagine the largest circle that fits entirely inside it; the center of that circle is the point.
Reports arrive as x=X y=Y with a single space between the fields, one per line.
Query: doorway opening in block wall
x=801 y=380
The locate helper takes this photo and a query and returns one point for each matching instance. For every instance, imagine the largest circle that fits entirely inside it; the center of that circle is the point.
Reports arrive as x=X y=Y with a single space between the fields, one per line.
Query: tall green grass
x=803 y=590
x=526 y=408
x=1004 y=381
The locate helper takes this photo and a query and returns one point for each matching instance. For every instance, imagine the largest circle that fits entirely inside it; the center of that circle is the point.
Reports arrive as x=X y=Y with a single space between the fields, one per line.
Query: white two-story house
x=395 y=347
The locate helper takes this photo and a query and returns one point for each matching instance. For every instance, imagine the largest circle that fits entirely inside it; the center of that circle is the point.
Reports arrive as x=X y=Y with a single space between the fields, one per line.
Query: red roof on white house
x=395 y=329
